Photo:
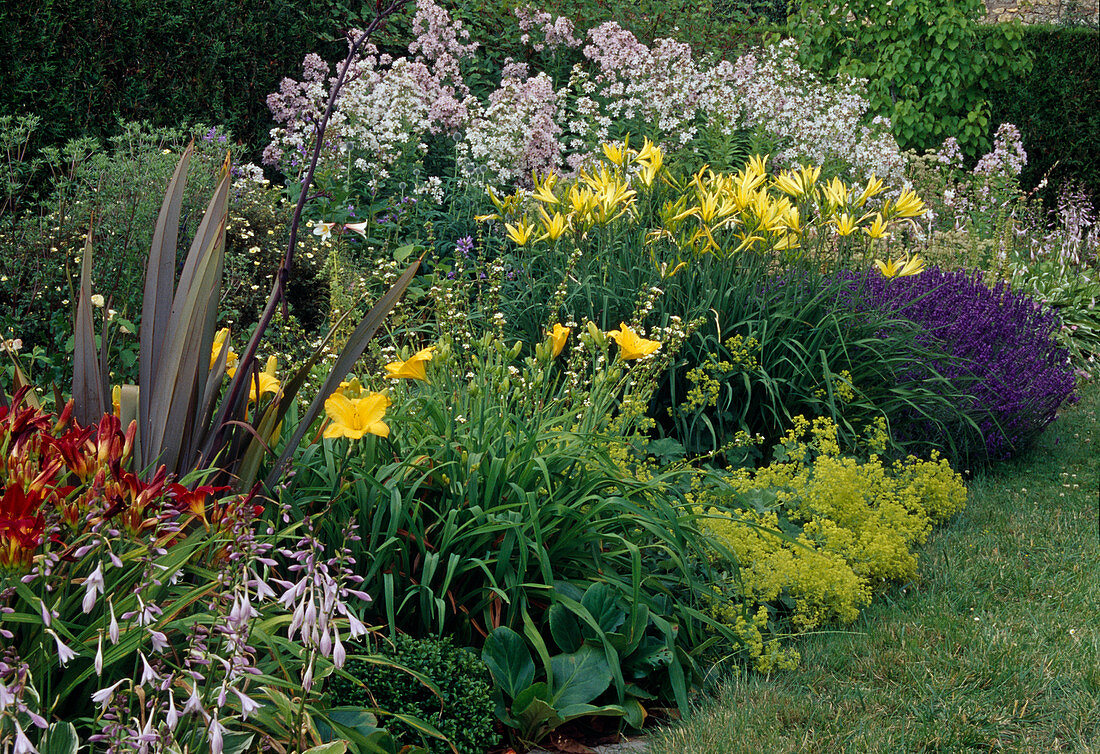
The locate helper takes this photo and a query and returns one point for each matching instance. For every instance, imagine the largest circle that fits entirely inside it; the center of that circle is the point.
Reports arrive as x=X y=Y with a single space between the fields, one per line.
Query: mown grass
x=996 y=648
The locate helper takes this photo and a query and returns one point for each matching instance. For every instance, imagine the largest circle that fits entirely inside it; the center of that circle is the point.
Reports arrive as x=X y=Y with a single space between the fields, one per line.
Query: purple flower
x=1000 y=353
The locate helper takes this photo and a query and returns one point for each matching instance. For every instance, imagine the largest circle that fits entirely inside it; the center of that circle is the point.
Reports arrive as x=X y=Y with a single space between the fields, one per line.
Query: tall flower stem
x=278 y=288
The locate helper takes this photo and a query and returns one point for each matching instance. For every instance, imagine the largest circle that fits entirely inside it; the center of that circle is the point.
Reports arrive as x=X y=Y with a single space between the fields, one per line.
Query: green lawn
x=996 y=648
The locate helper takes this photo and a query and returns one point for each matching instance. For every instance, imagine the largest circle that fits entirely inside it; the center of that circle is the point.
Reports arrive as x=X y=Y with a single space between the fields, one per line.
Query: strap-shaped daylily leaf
x=89 y=382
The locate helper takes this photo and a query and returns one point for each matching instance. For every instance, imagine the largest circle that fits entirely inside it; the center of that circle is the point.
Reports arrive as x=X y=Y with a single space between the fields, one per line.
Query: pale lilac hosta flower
x=112 y=629
x=64 y=652
x=159 y=640
x=148 y=675
x=248 y=705
x=172 y=718
x=23 y=744
x=216 y=731
x=103 y=696
x=98 y=664
x=193 y=705
x=92 y=585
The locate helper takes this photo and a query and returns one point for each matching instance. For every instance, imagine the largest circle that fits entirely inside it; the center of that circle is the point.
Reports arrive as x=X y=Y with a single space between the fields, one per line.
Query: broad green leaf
x=509 y=661
x=59 y=738
x=579 y=677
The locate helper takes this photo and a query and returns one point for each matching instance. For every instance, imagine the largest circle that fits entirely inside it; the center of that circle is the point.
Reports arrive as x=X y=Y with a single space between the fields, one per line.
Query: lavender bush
x=1003 y=351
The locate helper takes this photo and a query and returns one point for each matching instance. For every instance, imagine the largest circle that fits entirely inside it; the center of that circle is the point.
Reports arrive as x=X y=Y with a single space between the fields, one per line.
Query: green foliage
x=58 y=196
x=79 y=66
x=929 y=67
x=1054 y=106
x=459 y=706
x=500 y=477
x=535 y=708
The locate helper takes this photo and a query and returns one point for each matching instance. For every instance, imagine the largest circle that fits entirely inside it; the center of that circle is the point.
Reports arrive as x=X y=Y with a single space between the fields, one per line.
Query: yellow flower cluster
x=858 y=521
x=712 y=212
x=595 y=198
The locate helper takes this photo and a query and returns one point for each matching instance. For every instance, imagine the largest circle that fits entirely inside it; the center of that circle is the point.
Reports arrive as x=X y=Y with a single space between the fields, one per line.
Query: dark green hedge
x=80 y=64
x=1057 y=107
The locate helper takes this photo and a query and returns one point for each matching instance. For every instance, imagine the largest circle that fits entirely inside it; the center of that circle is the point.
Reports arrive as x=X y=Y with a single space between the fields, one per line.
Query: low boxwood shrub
x=463 y=710
x=1002 y=350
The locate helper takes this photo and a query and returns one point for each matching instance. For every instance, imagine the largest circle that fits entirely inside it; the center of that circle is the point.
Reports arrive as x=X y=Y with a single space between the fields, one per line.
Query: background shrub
x=80 y=65
x=929 y=66
x=1054 y=106
x=462 y=711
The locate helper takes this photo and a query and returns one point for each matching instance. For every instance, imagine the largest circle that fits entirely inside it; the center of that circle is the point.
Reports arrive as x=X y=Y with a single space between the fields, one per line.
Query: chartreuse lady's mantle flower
x=913 y=265
x=558 y=336
x=412 y=368
x=631 y=346
x=355 y=417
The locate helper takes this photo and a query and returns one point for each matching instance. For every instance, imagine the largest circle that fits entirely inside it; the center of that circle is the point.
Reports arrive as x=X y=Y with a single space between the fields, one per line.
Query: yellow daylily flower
x=845 y=224
x=757 y=168
x=266 y=382
x=907 y=205
x=617 y=153
x=836 y=193
x=544 y=189
x=521 y=232
x=553 y=227
x=789 y=183
x=874 y=188
x=221 y=339
x=877 y=228
x=903 y=268
x=788 y=241
x=631 y=346
x=651 y=160
x=558 y=336
x=412 y=368
x=355 y=417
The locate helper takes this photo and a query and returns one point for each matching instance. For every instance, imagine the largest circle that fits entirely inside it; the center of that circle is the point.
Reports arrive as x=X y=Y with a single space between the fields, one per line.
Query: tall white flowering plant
x=391 y=108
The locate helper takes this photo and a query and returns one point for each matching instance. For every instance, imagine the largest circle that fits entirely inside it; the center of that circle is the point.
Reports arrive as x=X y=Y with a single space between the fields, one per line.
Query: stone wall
x=1044 y=11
